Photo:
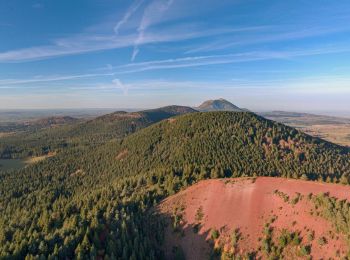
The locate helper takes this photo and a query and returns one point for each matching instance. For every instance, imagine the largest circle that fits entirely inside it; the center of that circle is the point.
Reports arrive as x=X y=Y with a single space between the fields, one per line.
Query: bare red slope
x=247 y=204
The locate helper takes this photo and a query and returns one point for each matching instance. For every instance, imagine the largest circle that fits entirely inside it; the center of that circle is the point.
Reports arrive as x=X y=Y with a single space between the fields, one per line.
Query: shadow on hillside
x=186 y=241
x=191 y=241
x=183 y=240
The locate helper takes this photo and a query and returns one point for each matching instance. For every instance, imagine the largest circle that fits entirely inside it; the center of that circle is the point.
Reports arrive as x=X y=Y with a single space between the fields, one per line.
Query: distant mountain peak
x=220 y=104
x=173 y=109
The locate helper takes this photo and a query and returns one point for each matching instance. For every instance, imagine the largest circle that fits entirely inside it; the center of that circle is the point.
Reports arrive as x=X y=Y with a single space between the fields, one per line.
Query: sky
x=260 y=54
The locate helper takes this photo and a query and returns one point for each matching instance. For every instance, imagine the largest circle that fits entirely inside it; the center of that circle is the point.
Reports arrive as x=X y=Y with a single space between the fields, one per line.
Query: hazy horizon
x=174 y=129
x=103 y=110
x=260 y=55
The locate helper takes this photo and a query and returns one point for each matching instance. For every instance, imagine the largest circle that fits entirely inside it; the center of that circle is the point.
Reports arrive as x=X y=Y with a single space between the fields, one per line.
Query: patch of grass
x=214 y=234
x=296 y=199
x=305 y=250
x=322 y=241
x=199 y=214
x=235 y=236
x=177 y=217
x=296 y=239
x=282 y=195
x=311 y=236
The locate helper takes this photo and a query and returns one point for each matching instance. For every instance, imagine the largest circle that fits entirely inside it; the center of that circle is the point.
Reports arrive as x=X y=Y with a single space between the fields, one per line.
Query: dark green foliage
x=286 y=239
x=199 y=214
x=214 y=234
x=90 y=133
x=322 y=241
x=334 y=210
x=296 y=199
x=219 y=141
x=88 y=202
x=235 y=236
x=40 y=141
x=282 y=195
x=111 y=219
x=311 y=236
x=178 y=253
x=305 y=250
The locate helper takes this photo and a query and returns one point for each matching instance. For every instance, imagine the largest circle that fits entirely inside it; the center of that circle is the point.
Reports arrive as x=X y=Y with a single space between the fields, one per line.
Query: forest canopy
x=94 y=200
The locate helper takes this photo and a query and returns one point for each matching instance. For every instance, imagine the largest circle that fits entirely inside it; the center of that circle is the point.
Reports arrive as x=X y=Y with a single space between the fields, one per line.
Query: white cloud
x=120 y=85
x=323 y=84
x=132 y=9
x=268 y=36
x=38 y=79
x=83 y=43
x=152 y=14
x=195 y=61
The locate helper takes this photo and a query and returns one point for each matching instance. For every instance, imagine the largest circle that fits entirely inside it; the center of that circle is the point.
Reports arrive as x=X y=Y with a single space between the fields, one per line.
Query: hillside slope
x=218 y=105
x=92 y=200
x=120 y=124
x=268 y=218
x=232 y=144
x=92 y=132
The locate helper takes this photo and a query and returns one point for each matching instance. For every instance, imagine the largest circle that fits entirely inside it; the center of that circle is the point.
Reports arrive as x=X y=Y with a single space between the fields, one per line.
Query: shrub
x=311 y=236
x=322 y=241
x=296 y=240
x=215 y=234
x=199 y=214
x=304 y=177
x=305 y=250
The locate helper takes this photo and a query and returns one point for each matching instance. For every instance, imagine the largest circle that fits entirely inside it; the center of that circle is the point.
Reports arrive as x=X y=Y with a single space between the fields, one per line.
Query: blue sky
x=262 y=55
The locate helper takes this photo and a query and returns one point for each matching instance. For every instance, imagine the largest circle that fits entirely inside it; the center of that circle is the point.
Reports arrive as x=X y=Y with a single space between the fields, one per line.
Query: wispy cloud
x=195 y=61
x=132 y=9
x=67 y=46
x=120 y=85
x=267 y=37
x=83 y=43
x=38 y=79
x=153 y=13
x=298 y=85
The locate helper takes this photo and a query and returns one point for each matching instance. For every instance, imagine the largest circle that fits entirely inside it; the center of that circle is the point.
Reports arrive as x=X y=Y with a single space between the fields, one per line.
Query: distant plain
x=330 y=128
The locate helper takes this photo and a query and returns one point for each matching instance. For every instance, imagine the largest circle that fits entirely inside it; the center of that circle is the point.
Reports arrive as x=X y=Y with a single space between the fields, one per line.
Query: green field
x=11 y=164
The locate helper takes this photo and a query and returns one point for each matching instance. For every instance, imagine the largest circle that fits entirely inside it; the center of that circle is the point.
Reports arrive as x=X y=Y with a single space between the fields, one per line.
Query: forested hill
x=120 y=124
x=236 y=143
x=93 y=201
x=93 y=132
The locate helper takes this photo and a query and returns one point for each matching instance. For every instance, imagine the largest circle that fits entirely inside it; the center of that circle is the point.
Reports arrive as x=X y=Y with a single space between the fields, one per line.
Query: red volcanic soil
x=248 y=204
